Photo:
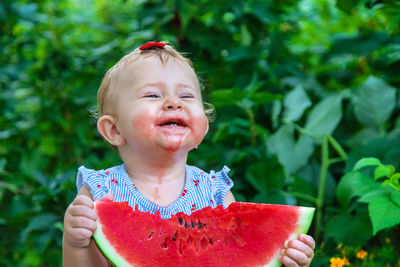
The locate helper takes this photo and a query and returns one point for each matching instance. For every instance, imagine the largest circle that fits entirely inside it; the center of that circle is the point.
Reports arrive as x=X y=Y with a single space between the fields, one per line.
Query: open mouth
x=173 y=122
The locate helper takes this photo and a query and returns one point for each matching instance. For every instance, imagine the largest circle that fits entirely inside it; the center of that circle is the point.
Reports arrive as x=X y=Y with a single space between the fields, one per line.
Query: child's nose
x=172 y=103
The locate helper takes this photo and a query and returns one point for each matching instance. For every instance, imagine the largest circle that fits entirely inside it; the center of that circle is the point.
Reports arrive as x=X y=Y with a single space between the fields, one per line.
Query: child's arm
x=79 y=248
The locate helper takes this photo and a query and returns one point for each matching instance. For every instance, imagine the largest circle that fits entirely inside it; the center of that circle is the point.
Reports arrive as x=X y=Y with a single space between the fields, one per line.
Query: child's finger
x=83 y=222
x=83 y=211
x=297 y=256
x=83 y=200
x=81 y=234
x=301 y=246
x=288 y=262
x=308 y=240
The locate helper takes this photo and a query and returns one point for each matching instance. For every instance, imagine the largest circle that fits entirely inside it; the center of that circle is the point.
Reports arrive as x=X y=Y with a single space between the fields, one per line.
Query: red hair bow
x=151 y=44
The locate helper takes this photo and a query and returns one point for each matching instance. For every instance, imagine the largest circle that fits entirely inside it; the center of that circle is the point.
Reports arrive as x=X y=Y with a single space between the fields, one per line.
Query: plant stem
x=252 y=126
x=299 y=128
x=337 y=147
x=335 y=160
x=321 y=188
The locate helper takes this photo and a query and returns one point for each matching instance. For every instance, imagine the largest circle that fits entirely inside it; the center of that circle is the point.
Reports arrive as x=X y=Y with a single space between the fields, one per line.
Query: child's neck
x=161 y=181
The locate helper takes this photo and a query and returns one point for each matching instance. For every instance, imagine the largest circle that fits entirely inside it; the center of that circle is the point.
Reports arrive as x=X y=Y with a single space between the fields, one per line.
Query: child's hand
x=80 y=222
x=298 y=252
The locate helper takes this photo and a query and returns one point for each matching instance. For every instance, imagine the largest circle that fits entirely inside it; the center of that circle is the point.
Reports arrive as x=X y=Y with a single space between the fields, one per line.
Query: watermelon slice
x=244 y=234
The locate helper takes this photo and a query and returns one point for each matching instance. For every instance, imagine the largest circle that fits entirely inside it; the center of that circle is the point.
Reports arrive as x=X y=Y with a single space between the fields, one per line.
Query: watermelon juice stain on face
x=161 y=107
x=174 y=142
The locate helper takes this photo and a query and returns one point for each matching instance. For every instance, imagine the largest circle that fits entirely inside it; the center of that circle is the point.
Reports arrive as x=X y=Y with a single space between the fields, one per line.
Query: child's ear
x=107 y=127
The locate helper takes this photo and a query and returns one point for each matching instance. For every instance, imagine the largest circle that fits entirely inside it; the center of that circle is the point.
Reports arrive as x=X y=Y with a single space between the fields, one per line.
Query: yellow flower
x=361 y=254
x=336 y=262
x=339 y=262
x=387 y=240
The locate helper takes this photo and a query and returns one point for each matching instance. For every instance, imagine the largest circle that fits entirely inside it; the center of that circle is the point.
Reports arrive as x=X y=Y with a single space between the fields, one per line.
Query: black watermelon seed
x=150 y=235
x=174 y=236
x=180 y=220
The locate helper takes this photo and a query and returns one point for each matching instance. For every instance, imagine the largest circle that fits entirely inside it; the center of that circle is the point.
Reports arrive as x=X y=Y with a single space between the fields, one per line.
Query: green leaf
x=48 y=145
x=352 y=46
x=384 y=213
x=325 y=116
x=374 y=102
x=354 y=184
x=295 y=103
x=43 y=221
x=291 y=154
x=265 y=175
x=395 y=197
x=254 y=85
x=264 y=97
x=394 y=179
x=3 y=162
x=371 y=195
x=353 y=230
x=262 y=10
x=274 y=197
x=41 y=178
x=301 y=187
x=311 y=173
x=276 y=110
x=390 y=53
x=245 y=35
x=104 y=49
x=187 y=11
x=227 y=97
x=366 y=162
x=363 y=137
x=347 y=5
x=10 y=186
x=383 y=171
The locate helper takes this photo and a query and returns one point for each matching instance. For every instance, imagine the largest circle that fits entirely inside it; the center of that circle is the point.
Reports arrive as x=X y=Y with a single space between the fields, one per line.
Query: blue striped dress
x=202 y=189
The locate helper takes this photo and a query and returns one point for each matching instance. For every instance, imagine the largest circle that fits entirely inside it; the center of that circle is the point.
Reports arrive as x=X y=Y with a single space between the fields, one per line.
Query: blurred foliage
x=303 y=90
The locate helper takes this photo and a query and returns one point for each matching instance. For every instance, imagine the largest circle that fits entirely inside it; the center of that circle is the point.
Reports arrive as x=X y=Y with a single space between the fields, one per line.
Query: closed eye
x=186 y=96
x=152 y=95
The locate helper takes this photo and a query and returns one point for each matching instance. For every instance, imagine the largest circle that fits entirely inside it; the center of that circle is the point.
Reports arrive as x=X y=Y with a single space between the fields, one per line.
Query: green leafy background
x=290 y=80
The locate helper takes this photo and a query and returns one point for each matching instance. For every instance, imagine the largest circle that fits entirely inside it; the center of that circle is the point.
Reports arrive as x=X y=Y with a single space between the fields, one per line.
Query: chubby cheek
x=140 y=123
x=200 y=128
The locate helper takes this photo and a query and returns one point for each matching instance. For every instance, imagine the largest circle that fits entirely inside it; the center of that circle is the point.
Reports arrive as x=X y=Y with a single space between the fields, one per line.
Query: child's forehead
x=147 y=67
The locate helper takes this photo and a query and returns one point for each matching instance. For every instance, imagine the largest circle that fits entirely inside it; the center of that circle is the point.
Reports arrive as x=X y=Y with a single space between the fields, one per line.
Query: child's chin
x=178 y=147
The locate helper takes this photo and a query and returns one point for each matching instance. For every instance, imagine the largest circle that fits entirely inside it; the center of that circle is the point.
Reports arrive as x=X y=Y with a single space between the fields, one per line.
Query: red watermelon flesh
x=244 y=234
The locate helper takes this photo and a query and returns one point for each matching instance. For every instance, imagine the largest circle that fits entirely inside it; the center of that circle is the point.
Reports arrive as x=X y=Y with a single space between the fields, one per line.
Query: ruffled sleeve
x=94 y=180
x=220 y=185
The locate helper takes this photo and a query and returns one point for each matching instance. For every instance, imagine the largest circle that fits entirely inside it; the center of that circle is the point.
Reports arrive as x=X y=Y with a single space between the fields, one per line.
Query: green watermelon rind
x=304 y=222
x=106 y=249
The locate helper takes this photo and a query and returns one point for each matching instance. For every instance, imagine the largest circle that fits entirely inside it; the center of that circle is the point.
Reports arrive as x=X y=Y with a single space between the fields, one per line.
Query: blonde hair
x=106 y=93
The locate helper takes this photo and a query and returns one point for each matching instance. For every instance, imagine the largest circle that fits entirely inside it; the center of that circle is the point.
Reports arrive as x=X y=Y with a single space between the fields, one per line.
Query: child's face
x=160 y=105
